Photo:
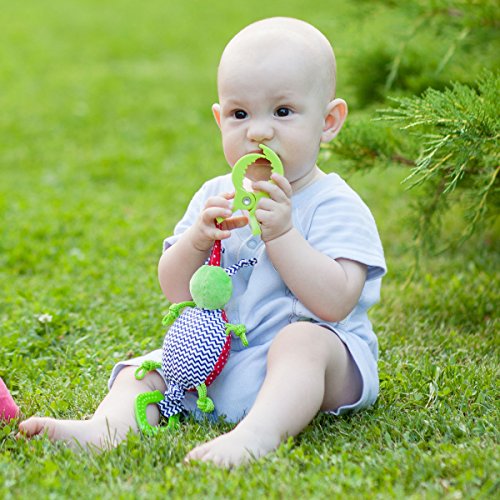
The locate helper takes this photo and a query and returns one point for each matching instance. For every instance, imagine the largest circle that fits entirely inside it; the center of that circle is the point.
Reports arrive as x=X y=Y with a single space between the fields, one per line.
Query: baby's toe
x=197 y=453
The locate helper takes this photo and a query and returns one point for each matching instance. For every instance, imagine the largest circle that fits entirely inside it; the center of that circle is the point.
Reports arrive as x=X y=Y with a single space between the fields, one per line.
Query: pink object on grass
x=8 y=408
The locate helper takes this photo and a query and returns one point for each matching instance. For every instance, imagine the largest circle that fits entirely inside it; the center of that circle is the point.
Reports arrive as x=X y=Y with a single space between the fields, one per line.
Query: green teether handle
x=244 y=200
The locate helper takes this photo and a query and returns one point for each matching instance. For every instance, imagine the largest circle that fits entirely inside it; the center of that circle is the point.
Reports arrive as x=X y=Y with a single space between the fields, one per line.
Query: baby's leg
x=309 y=369
x=111 y=422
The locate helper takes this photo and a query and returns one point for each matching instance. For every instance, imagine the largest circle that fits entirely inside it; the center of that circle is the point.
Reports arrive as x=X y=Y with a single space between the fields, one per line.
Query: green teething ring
x=141 y=403
x=244 y=200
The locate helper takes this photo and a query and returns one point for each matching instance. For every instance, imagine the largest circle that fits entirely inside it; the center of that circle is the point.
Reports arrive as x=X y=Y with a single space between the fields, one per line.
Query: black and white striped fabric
x=191 y=349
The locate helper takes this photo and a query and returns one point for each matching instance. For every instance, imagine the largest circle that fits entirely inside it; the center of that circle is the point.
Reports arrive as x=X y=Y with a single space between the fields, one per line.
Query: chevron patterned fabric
x=232 y=270
x=191 y=349
x=172 y=403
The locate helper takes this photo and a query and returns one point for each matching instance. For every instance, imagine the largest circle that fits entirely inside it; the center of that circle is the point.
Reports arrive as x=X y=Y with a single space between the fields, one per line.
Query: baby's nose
x=259 y=131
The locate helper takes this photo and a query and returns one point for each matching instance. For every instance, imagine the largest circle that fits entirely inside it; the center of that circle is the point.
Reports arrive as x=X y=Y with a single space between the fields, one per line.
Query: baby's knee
x=151 y=381
x=302 y=338
x=127 y=373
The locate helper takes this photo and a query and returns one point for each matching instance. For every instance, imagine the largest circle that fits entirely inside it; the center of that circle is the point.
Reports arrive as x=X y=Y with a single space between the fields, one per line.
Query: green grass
x=106 y=131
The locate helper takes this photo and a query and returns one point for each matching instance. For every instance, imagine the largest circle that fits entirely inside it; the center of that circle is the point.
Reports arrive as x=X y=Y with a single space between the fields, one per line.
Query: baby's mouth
x=260 y=170
x=262 y=161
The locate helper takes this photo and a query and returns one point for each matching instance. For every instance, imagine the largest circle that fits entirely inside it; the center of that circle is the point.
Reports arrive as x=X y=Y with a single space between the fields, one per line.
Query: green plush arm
x=174 y=311
x=239 y=330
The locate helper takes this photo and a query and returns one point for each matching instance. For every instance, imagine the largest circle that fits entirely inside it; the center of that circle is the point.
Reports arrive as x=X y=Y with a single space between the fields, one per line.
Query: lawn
x=106 y=132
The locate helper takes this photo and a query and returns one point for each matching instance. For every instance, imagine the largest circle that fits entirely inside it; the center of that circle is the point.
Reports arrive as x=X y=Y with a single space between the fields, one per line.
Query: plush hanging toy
x=197 y=344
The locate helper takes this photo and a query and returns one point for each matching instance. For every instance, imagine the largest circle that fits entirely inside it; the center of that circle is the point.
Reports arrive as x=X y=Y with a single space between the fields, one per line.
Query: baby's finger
x=212 y=213
x=283 y=183
x=234 y=223
x=218 y=201
x=262 y=216
x=273 y=190
x=267 y=204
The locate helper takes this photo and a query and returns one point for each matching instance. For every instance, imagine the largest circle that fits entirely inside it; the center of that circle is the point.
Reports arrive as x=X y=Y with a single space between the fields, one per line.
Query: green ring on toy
x=141 y=403
x=243 y=199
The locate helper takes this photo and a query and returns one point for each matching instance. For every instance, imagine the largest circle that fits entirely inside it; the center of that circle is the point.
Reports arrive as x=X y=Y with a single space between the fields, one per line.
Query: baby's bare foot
x=234 y=448
x=76 y=433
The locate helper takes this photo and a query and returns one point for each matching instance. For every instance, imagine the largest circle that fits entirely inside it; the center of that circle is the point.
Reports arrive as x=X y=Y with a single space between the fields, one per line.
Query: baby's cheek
x=232 y=148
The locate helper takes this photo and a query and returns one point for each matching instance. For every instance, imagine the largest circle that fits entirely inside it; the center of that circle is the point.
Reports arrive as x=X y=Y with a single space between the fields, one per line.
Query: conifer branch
x=458 y=130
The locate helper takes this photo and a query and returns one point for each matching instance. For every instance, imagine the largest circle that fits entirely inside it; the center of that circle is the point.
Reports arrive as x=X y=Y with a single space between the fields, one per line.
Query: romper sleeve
x=342 y=226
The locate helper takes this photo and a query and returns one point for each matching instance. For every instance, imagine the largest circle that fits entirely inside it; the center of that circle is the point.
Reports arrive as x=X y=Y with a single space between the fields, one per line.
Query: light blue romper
x=335 y=221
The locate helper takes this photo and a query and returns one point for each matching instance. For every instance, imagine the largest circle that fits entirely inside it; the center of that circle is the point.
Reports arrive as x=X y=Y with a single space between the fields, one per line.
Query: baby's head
x=276 y=84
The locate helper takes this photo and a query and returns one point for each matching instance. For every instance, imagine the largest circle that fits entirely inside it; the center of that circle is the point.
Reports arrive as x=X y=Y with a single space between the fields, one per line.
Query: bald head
x=307 y=47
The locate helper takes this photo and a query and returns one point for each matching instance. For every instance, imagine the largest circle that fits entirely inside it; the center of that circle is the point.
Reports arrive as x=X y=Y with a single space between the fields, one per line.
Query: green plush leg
x=141 y=403
x=173 y=422
x=239 y=330
x=204 y=403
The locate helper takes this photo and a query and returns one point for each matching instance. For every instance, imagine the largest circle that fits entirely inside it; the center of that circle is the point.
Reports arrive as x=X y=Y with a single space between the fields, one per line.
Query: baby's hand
x=205 y=231
x=274 y=214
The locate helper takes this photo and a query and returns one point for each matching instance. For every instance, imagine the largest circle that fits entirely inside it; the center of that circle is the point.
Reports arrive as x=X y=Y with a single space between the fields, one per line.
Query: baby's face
x=272 y=97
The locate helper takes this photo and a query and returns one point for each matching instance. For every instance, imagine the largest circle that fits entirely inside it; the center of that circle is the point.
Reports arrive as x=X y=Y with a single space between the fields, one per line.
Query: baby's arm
x=329 y=288
x=179 y=262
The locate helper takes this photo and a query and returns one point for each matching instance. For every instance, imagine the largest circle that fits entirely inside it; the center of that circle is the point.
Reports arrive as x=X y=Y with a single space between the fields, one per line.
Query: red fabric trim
x=221 y=362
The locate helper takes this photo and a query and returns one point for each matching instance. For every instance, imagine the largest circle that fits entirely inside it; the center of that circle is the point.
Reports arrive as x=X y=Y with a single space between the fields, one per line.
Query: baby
x=320 y=261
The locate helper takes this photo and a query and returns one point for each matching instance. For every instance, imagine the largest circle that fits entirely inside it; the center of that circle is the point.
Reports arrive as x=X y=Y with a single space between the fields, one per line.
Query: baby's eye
x=283 y=112
x=239 y=114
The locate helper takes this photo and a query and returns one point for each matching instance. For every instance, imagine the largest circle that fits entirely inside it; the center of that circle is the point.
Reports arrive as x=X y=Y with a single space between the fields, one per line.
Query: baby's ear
x=216 y=112
x=336 y=113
